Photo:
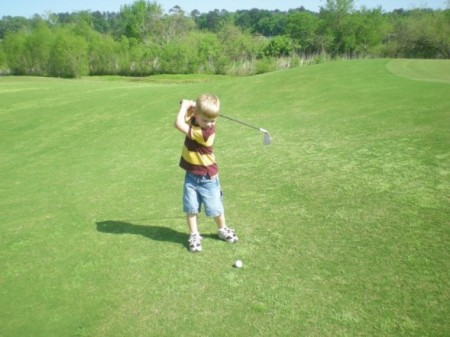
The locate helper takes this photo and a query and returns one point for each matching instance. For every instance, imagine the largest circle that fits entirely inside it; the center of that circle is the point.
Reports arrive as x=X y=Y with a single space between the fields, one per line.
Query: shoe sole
x=229 y=241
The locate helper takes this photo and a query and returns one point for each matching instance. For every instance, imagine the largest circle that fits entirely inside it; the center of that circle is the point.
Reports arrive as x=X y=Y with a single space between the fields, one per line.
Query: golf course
x=343 y=221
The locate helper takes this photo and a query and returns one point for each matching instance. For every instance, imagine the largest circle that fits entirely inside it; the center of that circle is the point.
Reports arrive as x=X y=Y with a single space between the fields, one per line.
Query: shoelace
x=195 y=238
x=228 y=232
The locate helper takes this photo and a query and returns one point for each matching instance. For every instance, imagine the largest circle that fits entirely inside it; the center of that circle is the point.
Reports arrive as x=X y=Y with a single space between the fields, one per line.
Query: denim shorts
x=200 y=190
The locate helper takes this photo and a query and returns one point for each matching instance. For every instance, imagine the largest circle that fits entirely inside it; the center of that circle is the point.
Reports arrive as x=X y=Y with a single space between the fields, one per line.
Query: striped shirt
x=197 y=156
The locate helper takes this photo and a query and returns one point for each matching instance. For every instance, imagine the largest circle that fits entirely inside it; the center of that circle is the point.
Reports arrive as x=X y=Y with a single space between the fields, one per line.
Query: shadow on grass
x=156 y=233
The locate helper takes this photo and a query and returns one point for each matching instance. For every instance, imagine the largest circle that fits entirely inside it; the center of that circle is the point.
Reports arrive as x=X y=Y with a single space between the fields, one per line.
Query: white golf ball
x=238 y=264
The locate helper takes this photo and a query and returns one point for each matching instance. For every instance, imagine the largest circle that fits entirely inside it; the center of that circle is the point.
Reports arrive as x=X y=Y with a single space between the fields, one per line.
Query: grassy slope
x=343 y=220
x=430 y=70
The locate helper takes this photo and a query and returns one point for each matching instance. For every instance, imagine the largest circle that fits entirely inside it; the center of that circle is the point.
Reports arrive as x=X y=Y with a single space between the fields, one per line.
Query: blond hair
x=208 y=106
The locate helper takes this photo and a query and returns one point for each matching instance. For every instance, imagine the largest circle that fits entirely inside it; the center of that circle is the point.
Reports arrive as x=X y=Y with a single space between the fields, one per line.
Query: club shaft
x=237 y=121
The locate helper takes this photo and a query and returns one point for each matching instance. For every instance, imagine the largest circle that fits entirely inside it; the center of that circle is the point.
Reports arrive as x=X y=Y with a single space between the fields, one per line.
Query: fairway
x=343 y=221
x=422 y=70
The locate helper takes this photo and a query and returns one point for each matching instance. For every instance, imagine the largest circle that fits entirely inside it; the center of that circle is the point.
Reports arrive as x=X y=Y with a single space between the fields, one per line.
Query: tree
x=371 y=28
x=272 y=25
x=3 y=63
x=302 y=28
x=420 y=34
x=103 y=55
x=100 y=22
x=248 y=19
x=69 y=56
x=175 y=25
x=12 y=24
x=238 y=46
x=279 y=46
x=214 y=20
x=336 y=29
x=141 y=40
x=137 y=59
x=209 y=57
x=178 y=58
x=140 y=19
x=37 y=50
x=14 y=46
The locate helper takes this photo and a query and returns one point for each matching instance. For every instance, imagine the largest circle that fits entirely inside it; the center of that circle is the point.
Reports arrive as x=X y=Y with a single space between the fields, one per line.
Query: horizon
x=28 y=9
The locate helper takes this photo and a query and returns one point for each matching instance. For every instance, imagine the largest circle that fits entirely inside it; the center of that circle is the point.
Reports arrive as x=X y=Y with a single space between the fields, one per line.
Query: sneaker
x=228 y=234
x=195 y=244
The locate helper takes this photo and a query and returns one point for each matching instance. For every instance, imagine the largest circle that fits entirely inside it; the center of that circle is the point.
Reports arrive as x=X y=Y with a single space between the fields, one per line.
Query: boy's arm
x=181 y=121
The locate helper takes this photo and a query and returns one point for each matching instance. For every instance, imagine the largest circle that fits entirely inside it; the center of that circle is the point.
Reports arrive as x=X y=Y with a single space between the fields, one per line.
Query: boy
x=201 y=184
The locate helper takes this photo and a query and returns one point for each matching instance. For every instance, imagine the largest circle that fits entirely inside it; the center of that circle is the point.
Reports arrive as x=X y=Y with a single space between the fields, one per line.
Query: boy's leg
x=191 y=205
x=212 y=197
x=192 y=223
x=220 y=221
x=225 y=233
x=194 y=241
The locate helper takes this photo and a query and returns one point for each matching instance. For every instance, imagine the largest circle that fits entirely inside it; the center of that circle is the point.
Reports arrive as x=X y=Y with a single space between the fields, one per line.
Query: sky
x=28 y=8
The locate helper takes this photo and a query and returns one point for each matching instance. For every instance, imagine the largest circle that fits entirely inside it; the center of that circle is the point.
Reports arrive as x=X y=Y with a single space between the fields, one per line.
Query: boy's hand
x=187 y=108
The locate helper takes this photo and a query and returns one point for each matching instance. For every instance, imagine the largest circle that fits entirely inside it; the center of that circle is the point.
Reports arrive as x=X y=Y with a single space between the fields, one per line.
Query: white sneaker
x=228 y=234
x=195 y=244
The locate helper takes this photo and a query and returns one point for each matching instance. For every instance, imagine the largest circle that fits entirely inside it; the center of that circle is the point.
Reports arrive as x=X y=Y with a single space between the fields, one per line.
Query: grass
x=164 y=78
x=431 y=70
x=343 y=220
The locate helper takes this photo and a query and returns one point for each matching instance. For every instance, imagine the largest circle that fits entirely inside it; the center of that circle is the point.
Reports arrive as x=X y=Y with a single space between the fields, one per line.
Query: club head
x=267 y=140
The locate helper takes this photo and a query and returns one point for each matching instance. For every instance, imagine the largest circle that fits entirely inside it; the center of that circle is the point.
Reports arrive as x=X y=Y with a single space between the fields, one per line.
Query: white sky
x=28 y=8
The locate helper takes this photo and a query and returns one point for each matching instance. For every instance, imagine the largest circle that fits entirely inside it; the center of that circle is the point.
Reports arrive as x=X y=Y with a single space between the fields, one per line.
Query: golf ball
x=238 y=264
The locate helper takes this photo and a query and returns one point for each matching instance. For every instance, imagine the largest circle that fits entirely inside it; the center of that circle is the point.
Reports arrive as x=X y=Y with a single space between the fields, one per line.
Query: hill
x=343 y=220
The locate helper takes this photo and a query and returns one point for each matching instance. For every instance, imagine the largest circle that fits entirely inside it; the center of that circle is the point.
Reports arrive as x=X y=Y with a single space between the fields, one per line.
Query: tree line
x=142 y=40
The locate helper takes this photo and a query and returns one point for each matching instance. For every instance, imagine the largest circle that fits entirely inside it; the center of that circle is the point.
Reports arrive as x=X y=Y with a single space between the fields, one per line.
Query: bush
x=103 y=56
x=279 y=46
x=15 y=50
x=3 y=63
x=178 y=58
x=69 y=56
x=265 y=65
x=37 y=50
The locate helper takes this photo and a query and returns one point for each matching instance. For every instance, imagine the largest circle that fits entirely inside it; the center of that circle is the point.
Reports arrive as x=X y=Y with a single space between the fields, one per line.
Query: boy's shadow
x=156 y=233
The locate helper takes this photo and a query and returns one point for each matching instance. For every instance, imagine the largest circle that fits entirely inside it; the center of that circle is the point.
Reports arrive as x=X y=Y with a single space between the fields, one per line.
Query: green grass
x=164 y=78
x=430 y=70
x=343 y=220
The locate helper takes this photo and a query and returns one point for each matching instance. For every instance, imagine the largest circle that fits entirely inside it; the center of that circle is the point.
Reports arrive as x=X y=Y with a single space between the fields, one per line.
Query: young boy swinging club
x=197 y=119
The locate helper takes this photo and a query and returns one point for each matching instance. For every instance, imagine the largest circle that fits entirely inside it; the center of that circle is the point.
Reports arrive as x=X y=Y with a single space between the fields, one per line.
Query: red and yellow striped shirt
x=197 y=156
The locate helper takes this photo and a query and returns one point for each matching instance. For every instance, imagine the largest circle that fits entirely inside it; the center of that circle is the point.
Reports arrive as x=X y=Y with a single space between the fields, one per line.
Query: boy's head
x=208 y=106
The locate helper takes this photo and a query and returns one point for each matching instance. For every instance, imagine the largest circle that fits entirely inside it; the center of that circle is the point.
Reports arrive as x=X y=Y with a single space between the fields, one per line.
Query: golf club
x=267 y=140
